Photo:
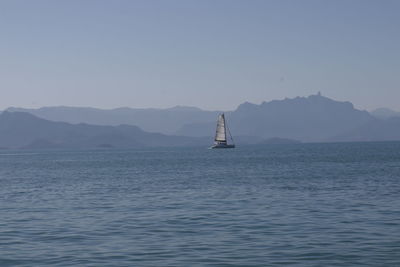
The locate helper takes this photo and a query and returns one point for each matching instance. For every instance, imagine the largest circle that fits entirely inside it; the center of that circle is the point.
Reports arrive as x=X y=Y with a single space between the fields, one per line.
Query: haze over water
x=290 y=205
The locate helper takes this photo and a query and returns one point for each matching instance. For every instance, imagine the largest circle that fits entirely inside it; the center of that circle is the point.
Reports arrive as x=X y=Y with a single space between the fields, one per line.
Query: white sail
x=220 y=134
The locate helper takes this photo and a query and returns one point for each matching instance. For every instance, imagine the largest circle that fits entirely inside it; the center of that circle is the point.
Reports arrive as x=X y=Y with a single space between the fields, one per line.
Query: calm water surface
x=282 y=205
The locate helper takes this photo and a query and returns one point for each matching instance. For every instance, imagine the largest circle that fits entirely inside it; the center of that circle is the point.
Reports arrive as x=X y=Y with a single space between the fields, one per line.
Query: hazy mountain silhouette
x=19 y=129
x=374 y=130
x=166 y=121
x=384 y=113
x=308 y=119
x=200 y=129
x=313 y=118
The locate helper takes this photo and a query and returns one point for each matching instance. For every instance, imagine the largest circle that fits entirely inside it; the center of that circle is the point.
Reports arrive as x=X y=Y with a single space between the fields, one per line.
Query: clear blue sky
x=211 y=54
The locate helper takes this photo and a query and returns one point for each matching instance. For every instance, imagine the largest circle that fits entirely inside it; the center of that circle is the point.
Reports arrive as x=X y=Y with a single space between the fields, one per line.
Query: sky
x=213 y=54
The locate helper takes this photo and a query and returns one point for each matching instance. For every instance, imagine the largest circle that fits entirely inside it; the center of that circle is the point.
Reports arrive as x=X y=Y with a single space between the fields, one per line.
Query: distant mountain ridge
x=166 y=121
x=313 y=118
x=307 y=119
x=24 y=130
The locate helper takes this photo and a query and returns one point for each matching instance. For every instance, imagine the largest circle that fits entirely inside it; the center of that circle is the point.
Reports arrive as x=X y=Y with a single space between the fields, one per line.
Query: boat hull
x=222 y=146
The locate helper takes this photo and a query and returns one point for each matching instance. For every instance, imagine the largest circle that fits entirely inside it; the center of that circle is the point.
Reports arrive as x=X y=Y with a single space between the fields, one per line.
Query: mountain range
x=308 y=119
x=311 y=119
x=166 y=121
x=24 y=130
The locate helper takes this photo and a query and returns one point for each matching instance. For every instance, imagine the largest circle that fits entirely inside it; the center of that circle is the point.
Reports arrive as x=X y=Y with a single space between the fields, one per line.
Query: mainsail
x=220 y=135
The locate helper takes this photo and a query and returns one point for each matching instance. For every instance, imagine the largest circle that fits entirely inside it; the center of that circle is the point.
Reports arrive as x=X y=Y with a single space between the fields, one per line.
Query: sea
x=335 y=204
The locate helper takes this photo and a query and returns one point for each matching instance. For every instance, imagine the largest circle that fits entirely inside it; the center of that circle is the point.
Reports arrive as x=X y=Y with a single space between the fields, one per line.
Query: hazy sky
x=211 y=54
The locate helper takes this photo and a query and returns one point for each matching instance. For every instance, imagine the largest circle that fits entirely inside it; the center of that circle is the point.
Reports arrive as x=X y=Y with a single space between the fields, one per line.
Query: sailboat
x=220 y=140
